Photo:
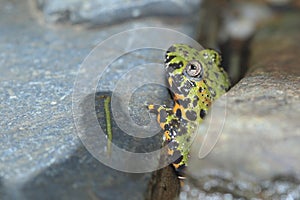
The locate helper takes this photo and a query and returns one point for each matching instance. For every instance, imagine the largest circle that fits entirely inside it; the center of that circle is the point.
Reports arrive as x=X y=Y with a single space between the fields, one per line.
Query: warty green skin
x=195 y=79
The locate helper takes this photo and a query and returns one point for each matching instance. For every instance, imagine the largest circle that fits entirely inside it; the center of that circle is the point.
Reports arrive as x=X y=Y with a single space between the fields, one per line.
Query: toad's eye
x=194 y=69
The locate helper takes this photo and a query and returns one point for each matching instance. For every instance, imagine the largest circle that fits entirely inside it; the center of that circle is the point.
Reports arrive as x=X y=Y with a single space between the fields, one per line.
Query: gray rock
x=83 y=177
x=2 y=190
x=41 y=155
x=252 y=147
x=99 y=12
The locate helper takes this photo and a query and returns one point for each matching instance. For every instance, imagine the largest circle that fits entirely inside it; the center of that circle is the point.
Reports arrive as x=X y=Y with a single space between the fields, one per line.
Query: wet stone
x=252 y=143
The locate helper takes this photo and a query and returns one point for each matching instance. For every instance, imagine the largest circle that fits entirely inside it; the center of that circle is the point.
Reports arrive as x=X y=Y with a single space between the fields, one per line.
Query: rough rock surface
x=41 y=156
x=99 y=12
x=253 y=132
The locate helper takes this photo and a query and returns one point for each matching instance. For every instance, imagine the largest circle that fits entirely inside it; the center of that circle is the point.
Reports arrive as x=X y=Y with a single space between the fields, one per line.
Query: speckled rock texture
x=41 y=156
x=100 y=12
x=257 y=153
